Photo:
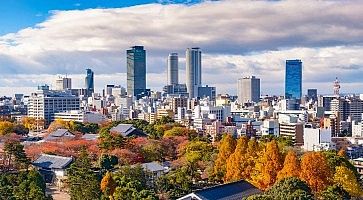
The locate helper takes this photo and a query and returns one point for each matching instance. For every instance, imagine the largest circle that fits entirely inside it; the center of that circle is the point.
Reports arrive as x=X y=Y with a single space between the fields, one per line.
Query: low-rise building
x=81 y=116
x=53 y=168
x=233 y=191
x=317 y=139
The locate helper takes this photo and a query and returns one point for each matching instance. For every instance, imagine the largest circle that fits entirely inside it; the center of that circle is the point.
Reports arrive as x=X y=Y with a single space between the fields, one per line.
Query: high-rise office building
x=193 y=71
x=89 y=82
x=313 y=94
x=63 y=83
x=136 y=70
x=248 y=89
x=293 y=79
x=172 y=71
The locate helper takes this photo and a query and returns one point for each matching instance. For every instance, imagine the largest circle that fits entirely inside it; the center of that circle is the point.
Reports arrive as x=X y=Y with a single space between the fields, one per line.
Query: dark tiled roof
x=127 y=130
x=58 y=134
x=90 y=136
x=52 y=161
x=152 y=166
x=230 y=191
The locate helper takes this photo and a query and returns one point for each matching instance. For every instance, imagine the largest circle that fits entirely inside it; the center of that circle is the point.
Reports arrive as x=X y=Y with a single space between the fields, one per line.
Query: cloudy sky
x=40 y=40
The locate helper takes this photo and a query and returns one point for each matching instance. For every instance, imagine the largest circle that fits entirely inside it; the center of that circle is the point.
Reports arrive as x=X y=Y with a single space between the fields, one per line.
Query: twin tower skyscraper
x=136 y=71
x=193 y=59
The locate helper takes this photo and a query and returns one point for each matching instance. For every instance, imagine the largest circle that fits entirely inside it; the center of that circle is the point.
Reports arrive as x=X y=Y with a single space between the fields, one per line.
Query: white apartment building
x=44 y=103
x=317 y=139
x=81 y=116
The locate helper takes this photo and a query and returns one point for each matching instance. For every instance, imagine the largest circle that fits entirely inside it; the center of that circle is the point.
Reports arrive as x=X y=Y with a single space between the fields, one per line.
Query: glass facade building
x=136 y=70
x=293 y=79
x=89 y=82
x=193 y=71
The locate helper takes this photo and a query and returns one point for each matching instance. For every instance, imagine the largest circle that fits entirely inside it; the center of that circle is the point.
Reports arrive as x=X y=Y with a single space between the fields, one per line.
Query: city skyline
x=27 y=61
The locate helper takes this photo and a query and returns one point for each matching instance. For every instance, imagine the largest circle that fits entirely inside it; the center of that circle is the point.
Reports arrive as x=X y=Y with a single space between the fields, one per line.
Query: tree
x=108 y=185
x=291 y=166
x=267 y=166
x=335 y=161
x=334 y=192
x=345 y=178
x=84 y=184
x=237 y=162
x=6 y=127
x=290 y=188
x=107 y=162
x=342 y=153
x=175 y=184
x=15 y=154
x=132 y=184
x=226 y=148
x=20 y=129
x=315 y=171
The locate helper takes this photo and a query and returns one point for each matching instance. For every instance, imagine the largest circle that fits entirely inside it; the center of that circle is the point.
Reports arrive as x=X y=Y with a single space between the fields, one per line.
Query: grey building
x=207 y=91
x=136 y=70
x=248 y=89
x=172 y=71
x=193 y=71
x=89 y=82
x=313 y=94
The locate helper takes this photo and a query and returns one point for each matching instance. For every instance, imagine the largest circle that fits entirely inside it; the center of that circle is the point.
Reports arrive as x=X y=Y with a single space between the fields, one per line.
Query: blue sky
x=238 y=38
x=18 y=14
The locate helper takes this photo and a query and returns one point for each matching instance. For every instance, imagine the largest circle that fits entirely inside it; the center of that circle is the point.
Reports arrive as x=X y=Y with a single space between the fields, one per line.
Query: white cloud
x=237 y=38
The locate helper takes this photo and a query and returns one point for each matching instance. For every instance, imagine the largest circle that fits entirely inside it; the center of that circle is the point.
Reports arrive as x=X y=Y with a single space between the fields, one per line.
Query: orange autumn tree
x=226 y=148
x=315 y=171
x=268 y=165
x=108 y=185
x=236 y=163
x=291 y=166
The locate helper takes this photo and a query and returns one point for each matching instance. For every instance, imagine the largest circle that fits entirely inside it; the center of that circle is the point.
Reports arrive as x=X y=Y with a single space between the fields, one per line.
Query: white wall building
x=317 y=139
x=81 y=116
x=44 y=103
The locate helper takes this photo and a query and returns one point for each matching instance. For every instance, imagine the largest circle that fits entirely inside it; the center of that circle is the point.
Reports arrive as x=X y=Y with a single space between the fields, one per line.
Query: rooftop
x=52 y=161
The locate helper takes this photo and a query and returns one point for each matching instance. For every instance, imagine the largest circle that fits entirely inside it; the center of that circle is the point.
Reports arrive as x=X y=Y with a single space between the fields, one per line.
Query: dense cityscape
x=185 y=141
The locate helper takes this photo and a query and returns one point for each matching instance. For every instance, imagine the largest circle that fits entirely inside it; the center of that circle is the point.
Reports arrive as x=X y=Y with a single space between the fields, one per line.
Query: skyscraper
x=89 y=82
x=248 y=89
x=136 y=70
x=313 y=94
x=293 y=79
x=193 y=71
x=172 y=71
x=63 y=83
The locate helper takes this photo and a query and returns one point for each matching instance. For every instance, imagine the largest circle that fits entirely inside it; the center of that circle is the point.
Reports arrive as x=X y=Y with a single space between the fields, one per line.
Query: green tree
x=132 y=184
x=334 y=192
x=15 y=154
x=84 y=184
x=107 y=162
x=175 y=184
x=290 y=188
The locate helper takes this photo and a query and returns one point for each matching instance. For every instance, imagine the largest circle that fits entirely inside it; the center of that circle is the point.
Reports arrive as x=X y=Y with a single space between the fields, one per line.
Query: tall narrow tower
x=89 y=82
x=193 y=71
x=136 y=70
x=336 y=87
x=172 y=71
